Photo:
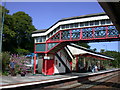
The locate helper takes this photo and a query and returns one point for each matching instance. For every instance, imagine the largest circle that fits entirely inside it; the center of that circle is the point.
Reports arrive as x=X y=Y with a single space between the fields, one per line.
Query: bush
x=21 y=62
x=5 y=61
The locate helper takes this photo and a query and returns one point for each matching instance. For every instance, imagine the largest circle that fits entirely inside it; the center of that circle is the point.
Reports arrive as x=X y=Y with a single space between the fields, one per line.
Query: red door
x=48 y=67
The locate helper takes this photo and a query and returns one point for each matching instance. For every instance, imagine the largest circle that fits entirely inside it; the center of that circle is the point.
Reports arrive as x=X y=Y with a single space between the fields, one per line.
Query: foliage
x=17 y=32
x=5 y=61
x=116 y=56
x=20 y=63
x=102 y=50
x=22 y=51
x=83 y=44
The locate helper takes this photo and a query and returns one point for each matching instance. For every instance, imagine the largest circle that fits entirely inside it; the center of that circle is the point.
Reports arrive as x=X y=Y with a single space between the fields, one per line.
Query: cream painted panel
x=70 y=21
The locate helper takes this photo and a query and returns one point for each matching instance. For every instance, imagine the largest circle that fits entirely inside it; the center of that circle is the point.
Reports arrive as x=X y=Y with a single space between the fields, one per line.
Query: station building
x=55 y=52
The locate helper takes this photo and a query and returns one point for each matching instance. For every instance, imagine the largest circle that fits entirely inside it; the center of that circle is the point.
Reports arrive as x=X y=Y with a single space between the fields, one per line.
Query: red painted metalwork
x=80 y=33
x=93 y=32
x=69 y=39
x=106 y=32
x=34 y=63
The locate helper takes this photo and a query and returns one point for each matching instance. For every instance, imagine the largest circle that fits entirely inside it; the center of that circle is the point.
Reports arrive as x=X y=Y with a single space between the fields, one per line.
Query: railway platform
x=9 y=82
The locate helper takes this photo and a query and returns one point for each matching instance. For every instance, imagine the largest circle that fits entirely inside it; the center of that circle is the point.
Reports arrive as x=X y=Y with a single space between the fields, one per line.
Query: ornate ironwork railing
x=100 y=32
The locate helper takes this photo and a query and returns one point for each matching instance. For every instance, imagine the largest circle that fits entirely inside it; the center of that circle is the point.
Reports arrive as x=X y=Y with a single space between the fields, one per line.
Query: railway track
x=80 y=82
x=90 y=82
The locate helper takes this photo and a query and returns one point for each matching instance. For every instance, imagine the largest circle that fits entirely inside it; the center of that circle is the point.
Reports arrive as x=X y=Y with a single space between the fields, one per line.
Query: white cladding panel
x=57 y=68
x=61 y=69
x=76 y=51
x=70 y=21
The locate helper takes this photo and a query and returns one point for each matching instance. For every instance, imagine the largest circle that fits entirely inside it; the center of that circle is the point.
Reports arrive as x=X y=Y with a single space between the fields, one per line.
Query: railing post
x=93 y=33
x=70 y=34
x=80 y=33
x=60 y=35
x=106 y=31
x=46 y=46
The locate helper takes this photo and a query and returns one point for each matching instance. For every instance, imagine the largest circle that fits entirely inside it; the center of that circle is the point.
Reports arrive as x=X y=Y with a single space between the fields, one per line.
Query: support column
x=34 y=63
x=84 y=62
x=76 y=63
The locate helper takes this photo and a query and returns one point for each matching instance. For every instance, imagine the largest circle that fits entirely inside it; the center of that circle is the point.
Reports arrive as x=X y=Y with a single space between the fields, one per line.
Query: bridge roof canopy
x=82 y=51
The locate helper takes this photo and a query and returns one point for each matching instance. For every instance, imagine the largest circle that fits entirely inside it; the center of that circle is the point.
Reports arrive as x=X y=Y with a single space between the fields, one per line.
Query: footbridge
x=51 y=44
x=86 y=28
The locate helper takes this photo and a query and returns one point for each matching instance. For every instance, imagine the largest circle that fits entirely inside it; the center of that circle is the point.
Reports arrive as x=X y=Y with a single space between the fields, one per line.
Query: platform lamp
x=2 y=14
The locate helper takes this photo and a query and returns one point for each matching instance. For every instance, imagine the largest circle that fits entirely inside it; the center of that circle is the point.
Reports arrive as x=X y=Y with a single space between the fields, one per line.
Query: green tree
x=83 y=44
x=116 y=56
x=17 y=32
x=102 y=50
x=23 y=28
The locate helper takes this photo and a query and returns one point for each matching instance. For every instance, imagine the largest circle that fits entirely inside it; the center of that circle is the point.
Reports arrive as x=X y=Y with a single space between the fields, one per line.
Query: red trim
x=34 y=63
x=46 y=48
x=71 y=65
x=52 y=36
x=80 y=33
x=88 y=55
x=106 y=32
x=52 y=48
x=34 y=48
x=93 y=33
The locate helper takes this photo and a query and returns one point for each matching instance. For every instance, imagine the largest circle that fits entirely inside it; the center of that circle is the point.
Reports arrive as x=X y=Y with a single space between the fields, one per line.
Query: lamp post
x=1 y=26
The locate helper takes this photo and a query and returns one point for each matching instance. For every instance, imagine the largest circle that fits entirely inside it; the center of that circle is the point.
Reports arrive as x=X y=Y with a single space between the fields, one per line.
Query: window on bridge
x=102 y=22
x=40 y=39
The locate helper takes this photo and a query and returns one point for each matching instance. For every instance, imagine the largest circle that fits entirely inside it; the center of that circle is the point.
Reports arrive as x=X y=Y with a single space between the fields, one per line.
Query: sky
x=45 y=14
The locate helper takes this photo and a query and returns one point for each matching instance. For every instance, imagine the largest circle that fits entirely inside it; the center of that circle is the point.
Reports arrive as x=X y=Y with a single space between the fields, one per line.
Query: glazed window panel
x=40 y=47
x=96 y=22
x=108 y=21
x=67 y=26
x=81 y=24
x=63 y=26
x=86 y=24
x=102 y=22
x=92 y=23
